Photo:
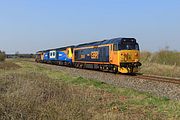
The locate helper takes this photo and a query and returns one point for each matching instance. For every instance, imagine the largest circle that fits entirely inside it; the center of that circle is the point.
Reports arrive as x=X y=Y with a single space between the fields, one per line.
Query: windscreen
x=128 y=45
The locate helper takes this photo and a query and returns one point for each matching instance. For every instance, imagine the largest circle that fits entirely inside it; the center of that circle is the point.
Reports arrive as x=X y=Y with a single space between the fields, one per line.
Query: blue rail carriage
x=60 y=56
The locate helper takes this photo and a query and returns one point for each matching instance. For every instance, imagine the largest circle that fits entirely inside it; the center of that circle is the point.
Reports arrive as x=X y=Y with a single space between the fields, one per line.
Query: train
x=118 y=55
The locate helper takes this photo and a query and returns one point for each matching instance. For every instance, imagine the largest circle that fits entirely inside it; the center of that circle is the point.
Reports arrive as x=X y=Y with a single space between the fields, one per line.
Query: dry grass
x=164 y=57
x=161 y=70
x=7 y=65
x=33 y=92
x=164 y=63
x=35 y=96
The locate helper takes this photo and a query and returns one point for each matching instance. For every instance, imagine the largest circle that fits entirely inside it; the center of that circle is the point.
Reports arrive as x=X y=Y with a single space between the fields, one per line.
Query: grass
x=35 y=92
x=163 y=63
x=8 y=66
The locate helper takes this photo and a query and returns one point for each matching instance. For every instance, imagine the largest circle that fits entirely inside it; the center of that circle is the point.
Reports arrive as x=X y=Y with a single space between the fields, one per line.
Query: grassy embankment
x=163 y=63
x=30 y=91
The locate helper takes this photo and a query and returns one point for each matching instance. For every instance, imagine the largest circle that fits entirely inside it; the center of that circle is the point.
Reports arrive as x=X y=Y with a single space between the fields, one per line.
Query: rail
x=159 y=78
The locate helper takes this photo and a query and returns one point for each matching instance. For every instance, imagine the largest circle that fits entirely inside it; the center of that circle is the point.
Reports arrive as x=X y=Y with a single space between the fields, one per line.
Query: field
x=31 y=91
x=162 y=63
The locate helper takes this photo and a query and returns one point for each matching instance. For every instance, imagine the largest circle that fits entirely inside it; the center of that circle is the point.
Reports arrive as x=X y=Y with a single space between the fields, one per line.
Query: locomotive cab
x=128 y=55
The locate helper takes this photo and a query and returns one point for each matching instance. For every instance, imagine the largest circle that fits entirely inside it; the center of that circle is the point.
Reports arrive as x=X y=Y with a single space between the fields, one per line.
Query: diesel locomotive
x=115 y=55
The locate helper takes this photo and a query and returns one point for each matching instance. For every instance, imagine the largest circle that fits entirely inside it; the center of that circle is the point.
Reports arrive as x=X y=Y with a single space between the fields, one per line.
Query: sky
x=27 y=26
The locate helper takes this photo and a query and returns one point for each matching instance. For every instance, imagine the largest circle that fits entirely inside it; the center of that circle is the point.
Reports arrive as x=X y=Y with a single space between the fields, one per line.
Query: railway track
x=159 y=79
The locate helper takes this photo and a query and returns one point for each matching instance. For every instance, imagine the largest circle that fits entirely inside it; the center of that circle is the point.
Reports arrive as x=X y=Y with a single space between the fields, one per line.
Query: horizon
x=30 y=26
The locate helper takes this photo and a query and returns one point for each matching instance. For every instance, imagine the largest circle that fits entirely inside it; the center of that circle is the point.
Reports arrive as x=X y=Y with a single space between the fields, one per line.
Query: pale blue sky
x=30 y=25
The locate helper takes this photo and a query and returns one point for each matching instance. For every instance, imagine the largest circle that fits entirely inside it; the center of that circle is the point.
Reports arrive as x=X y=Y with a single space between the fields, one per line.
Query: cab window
x=128 y=46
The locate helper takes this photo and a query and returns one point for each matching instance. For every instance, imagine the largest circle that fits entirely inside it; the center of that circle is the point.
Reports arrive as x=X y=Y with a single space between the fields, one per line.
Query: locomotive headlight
x=136 y=54
x=136 y=60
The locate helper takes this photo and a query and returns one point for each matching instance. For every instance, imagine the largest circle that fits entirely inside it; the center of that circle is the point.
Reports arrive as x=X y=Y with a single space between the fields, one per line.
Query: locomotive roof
x=62 y=48
x=108 y=41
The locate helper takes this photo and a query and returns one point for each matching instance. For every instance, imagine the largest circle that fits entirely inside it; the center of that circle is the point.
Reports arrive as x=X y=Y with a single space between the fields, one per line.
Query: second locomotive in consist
x=116 y=55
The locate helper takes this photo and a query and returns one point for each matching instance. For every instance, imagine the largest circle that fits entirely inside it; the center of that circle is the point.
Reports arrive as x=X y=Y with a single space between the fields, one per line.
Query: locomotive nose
x=129 y=56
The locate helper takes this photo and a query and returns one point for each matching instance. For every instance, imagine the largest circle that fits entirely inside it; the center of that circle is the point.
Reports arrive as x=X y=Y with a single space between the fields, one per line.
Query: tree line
x=3 y=55
x=20 y=55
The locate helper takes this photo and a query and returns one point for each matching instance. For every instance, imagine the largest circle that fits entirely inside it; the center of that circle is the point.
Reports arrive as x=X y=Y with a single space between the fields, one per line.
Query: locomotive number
x=94 y=55
x=82 y=56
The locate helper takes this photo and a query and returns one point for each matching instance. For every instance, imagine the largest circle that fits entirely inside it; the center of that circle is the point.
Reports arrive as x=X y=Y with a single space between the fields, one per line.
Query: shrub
x=2 y=56
x=163 y=56
x=167 y=57
x=145 y=56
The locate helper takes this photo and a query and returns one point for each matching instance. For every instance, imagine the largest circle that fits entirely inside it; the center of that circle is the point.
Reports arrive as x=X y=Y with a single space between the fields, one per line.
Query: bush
x=145 y=56
x=167 y=57
x=2 y=56
x=163 y=56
